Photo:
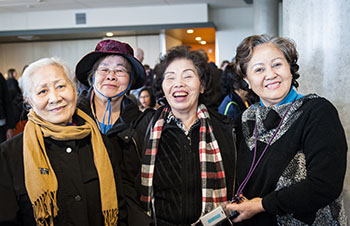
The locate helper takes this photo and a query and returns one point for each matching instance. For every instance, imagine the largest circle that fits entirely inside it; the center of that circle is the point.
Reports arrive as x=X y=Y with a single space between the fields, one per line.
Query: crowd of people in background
x=226 y=92
x=120 y=143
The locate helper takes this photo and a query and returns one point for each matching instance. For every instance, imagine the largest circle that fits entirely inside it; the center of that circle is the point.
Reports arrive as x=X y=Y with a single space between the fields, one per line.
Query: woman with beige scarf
x=58 y=172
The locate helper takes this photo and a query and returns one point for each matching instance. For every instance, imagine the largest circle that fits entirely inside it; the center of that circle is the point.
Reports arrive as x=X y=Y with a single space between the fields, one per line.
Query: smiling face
x=181 y=86
x=116 y=81
x=268 y=74
x=52 y=95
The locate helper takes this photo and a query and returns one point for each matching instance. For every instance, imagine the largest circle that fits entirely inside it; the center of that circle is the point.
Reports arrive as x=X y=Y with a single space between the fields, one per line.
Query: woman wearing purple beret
x=111 y=71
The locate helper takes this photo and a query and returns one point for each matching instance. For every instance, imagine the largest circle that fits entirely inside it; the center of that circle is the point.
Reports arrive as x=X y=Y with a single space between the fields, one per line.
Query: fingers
x=239 y=218
x=246 y=209
x=237 y=208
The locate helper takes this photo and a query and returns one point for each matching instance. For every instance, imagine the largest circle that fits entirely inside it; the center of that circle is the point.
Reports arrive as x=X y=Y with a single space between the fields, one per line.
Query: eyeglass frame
x=104 y=71
x=129 y=68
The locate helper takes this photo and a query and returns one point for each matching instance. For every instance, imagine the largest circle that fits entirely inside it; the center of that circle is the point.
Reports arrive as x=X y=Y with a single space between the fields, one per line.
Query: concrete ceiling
x=17 y=6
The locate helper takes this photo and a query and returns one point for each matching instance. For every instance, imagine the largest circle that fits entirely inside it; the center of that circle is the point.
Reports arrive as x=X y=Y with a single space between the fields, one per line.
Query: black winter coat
x=78 y=195
x=123 y=134
x=312 y=141
x=174 y=138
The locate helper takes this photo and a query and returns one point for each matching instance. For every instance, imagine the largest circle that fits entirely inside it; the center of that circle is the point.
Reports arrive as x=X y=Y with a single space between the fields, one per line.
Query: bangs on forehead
x=125 y=63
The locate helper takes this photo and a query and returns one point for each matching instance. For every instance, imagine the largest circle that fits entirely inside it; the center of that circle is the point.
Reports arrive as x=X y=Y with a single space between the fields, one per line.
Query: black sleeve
x=325 y=149
x=131 y=175
x=131 y=167
x=9 y=207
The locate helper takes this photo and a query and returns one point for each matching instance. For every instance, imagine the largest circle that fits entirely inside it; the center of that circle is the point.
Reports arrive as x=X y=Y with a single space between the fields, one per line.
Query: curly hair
x=245 y=49
x=200 y=63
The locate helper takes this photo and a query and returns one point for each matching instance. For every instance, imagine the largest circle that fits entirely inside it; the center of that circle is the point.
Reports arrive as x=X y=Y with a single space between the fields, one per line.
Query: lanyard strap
x=109 y=106
x=254 y=165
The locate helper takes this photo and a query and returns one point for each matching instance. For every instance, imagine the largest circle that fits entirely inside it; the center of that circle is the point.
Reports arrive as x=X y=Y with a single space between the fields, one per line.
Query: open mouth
x=273 y=85
x=180 y=94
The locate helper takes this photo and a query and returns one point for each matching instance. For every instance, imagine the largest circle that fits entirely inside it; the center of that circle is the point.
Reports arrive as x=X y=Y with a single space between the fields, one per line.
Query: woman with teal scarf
x=292 y=152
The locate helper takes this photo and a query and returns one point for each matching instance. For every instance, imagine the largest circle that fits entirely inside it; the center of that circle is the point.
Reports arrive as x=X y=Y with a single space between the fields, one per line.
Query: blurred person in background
x=146 y=99
x=12 y=84
x=237 y=99
x=7 y=122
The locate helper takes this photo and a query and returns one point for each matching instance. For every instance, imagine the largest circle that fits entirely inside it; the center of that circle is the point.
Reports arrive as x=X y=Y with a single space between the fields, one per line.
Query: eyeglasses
x=119 y=72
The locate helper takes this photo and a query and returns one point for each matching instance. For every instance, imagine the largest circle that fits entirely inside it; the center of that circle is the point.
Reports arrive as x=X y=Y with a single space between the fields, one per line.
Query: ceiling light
x=190 y=31
x=203 y=42
x=26 y=37
x=198 y=38
x=109 y=34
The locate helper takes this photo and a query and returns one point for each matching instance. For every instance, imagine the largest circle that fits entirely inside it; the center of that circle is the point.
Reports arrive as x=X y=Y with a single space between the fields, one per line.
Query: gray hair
x=25 y=81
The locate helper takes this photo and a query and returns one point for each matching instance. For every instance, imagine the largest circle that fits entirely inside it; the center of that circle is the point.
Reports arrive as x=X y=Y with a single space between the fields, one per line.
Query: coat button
x=77 y=198
x=68 y=150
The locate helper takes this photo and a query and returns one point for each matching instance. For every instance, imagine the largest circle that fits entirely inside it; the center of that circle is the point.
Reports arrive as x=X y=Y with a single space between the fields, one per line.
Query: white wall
x=19 y=54
x=233 y=25
x=105 y=17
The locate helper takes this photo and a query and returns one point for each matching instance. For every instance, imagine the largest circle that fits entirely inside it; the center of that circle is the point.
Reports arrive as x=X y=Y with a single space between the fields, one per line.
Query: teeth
x=274 y=84
x=180 y=94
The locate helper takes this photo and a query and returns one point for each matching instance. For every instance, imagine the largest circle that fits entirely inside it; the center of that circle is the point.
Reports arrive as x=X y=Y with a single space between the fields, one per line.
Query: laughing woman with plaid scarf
x=189 y=151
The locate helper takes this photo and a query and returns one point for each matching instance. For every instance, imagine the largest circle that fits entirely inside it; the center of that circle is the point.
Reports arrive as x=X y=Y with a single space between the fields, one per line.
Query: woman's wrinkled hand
x=246 y=209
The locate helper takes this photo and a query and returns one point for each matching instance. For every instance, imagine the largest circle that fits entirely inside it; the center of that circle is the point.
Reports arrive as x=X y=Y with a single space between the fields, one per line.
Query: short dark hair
x=10 y=73
x=199 y=61
x=151 y=96
x=244 y=54
x=231 y=82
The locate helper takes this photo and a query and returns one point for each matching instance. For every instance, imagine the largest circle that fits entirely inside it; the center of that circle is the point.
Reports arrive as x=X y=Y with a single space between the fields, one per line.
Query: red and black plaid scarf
x=212 y=169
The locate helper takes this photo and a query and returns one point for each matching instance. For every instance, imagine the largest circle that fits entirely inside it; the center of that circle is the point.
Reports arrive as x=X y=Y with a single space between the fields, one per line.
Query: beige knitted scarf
x=40 y=179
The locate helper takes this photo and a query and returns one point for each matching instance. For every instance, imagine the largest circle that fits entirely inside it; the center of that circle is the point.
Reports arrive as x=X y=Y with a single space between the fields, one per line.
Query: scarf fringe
x=45 y=208
x=111 y=217
x=42 y=189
